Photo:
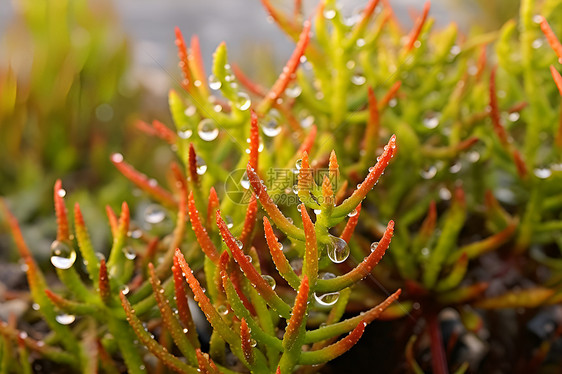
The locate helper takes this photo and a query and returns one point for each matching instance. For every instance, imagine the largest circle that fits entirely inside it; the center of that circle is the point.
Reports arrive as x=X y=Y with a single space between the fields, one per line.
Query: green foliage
x=60 y=80
x=477 y=169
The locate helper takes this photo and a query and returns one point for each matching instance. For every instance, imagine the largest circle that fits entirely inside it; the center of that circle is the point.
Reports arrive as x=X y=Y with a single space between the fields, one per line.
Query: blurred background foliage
x=69 y=98
x=65 y=101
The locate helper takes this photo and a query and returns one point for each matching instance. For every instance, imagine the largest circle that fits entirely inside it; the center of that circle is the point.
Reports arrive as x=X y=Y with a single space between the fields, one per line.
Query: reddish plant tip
x=212 y=206
x=298 y=314
x=460 y=196
x=63 y=232
x=103 y=280
x=288 y=72
x=254 y=140
x=246 y=341
x=350 y=225
x=551 y=38
x=249 y=220
x=78 y=217
x=183 y=57
x=308 y=142
x=201 y=234
x=253 y=87
x=389 y=95
x=414 y=35
x=192 y=160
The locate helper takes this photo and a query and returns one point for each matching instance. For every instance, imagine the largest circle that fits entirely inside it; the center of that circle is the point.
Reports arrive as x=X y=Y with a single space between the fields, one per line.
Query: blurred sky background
x=240 y=23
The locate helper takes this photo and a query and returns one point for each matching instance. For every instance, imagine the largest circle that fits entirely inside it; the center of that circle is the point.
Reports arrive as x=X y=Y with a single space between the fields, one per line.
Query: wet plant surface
x=388 y=201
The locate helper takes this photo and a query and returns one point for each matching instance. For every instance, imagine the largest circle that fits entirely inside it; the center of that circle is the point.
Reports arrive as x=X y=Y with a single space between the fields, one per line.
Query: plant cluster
x=473 y=192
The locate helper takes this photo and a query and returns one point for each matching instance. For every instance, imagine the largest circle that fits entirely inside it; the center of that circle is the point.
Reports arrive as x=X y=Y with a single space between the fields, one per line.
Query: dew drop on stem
x=63 y=255
x=154 y=214
x=337 y=250
x=207 y=130
x=269 y=279
x=65 y=319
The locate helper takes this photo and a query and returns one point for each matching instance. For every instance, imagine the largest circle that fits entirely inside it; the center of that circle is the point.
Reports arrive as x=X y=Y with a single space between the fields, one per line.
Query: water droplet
x=229 y=222
x=350 y=64
x=317 y=211
x=392 y=103
x=201 y=166
x=239 y=243
x=185 y=134
x=353 y=213
x=190 y=110
x=249 y=258
x=207 y=130
x=431 y=121
x=299 y=208
x=358 y=80
x=65 y=319
x=22 y=335
x=296 y=264
x=154 y=214
x=360 y=42
x=135 y=234
x=337 y=250
x=214 y=83
x=374 y=246
x=537 y=43
x=513 y=117
x=455 y=168
x=428 y=172
x=269 y=279
x=327 y=299
x=280 y=246
x=117 y=158
x=222 y=309
x=129 y=253
x=245 y=181
x=307 y=121
x=425 y=252
x=473 y=156
x=455 y=50
x=329 y=13
x=298 y=164
x=296 y=189
x=243 y=101
x=62 y=255
x=253 y=343
x=543 y=173
x=293 y=91
x=61 y=193
x=326 y=276
x=444 y=193
x=185 y=330
x=35 y=306
x=271 y=126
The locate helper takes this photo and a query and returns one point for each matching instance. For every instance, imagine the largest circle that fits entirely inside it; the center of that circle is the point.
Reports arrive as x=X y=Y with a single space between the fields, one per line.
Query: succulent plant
x=475 y=183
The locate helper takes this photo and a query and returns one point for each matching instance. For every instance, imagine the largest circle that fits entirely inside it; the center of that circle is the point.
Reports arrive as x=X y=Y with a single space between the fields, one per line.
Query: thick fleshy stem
x=201 y=234
x=262 y=286
x=375 y=172
x=361 y=270
x=270 y=207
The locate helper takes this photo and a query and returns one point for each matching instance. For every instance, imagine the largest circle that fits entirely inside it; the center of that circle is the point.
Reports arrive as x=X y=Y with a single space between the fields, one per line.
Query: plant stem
x=438 y=359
